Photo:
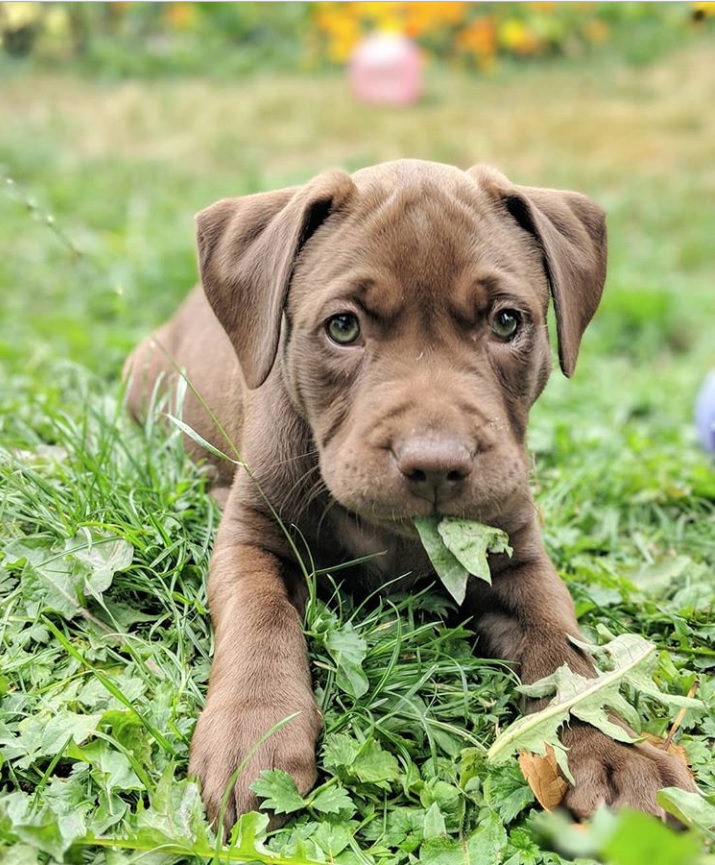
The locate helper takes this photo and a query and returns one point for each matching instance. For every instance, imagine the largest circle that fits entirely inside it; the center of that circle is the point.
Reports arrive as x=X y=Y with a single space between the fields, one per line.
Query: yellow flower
x=516 y=37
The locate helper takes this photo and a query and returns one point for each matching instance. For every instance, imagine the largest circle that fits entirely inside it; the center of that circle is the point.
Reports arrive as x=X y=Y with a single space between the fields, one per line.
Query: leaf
x=339 y=751
x=470 y=542
x=39 y=827
x=248 y=835
x=640 y=838
x=544 y=777
x=366 y=762
x=99 y=557
x=56 y=580
x=48 y=582
x=43 y=737
x=278 y=791
x=434 y=825
x=589 y=699
x=485 y=846
x=458 y=548
x=692 y=809
x=110 y=768
x=333 y=838
x=506 y=792
x=332 y=800
x=176 y=810
x=452 y=573
x=373 y=765
x=348 y=650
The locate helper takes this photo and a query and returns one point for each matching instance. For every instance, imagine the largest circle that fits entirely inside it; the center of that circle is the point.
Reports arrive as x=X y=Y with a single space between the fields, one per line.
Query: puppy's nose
x=435 y=468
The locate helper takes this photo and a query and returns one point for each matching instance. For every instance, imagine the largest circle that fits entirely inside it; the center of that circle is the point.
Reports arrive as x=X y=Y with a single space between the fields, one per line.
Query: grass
x=105 y=529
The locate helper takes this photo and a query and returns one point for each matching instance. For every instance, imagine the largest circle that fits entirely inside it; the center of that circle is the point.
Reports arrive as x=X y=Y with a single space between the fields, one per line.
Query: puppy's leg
x=260 y=676
x=527 y=616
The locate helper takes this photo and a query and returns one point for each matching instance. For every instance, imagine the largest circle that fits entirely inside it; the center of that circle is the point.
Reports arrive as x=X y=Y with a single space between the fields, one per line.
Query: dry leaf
x=678 y=751
x=544 y=777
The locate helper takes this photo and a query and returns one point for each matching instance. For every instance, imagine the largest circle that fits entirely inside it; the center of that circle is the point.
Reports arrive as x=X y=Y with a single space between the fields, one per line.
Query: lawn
x=106 y=529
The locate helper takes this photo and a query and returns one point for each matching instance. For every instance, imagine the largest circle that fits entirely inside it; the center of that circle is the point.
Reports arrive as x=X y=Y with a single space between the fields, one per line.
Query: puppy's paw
x=615 y=774
x=227 y=736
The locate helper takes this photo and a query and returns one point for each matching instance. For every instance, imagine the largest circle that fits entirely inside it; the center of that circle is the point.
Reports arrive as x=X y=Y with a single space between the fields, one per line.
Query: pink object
x=386 y=69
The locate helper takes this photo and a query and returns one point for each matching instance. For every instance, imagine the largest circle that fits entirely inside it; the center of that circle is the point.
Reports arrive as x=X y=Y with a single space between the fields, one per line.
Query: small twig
x=668 y=741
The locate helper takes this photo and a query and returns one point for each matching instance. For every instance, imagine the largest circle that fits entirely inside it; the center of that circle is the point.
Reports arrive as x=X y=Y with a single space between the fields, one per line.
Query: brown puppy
x=372 y=345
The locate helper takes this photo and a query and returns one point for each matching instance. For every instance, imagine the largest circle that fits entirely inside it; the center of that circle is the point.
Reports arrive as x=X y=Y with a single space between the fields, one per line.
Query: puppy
x=371 y=344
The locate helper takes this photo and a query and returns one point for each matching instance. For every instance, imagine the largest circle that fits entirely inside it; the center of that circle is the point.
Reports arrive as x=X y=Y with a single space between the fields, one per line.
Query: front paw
x=227 y=736
x=611 y=773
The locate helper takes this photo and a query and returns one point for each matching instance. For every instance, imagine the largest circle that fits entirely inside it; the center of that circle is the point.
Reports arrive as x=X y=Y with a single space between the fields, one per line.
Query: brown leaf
x=544 y=777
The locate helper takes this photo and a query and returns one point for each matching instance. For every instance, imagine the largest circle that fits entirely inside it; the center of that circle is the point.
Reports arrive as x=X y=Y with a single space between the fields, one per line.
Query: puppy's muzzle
x=434 y=468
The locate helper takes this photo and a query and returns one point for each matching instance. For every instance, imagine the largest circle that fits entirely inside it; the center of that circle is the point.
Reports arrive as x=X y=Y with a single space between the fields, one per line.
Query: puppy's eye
x=505 y=324
x=344 y=328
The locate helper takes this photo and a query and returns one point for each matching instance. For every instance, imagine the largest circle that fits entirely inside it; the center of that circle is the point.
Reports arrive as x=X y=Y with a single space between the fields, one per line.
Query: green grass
x=106 y=529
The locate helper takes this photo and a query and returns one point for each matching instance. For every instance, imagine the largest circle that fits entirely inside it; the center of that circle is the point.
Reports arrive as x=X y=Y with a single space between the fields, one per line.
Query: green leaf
x=176 y=810
x=640 y=838
x=348 y=650
x=332 y=800
x=45 y=737
x=506 y=792
x=488 y=844
x=366 y=762
x=470 y=542
x=485 y=846
x=690 y=808
x=39 y=827
x=458 y=548
x=333 y=838
x=373 y=765
x=339 y=751
x=278 y=791
x=452 y=573
x=48 y=581
x=98 y=558
x=57 y=580
x=18 y=854
x=111 y=769
x=248 y=835
x=434 y=825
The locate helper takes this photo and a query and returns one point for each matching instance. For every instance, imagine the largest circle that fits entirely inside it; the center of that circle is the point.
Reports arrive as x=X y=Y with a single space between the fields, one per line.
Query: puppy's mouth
x=403 y=525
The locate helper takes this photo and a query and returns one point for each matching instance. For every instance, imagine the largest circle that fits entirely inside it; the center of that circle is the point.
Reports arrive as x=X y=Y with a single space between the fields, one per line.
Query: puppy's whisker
x=312 y=495
x=331 y=503
x=297 y=457
x=297 y=484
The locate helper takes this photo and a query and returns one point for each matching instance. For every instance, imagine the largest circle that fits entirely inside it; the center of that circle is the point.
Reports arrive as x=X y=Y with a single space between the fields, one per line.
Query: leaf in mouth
x=458 y=548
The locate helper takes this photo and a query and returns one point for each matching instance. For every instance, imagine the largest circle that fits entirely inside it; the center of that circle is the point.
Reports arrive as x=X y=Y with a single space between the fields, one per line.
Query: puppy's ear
x=570 y=230
x=247 y=251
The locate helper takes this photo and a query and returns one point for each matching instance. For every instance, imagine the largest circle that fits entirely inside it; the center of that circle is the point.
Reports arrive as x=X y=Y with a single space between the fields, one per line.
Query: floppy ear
x=247 y=250
x=570 y=230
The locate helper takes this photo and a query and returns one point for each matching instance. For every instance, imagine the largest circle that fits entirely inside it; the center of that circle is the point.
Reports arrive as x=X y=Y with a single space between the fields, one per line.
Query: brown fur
x=426 y=413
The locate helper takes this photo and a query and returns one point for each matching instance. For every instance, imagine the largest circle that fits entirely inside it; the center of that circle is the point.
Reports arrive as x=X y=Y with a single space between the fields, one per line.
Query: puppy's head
x=405 y=310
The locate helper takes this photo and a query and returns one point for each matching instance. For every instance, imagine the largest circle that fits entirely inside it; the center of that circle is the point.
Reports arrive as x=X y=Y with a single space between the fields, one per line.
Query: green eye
x=506 y=323
x=344 y=329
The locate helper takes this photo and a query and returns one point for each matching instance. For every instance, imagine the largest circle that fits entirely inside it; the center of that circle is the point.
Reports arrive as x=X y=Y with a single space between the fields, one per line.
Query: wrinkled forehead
x=427 y=234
